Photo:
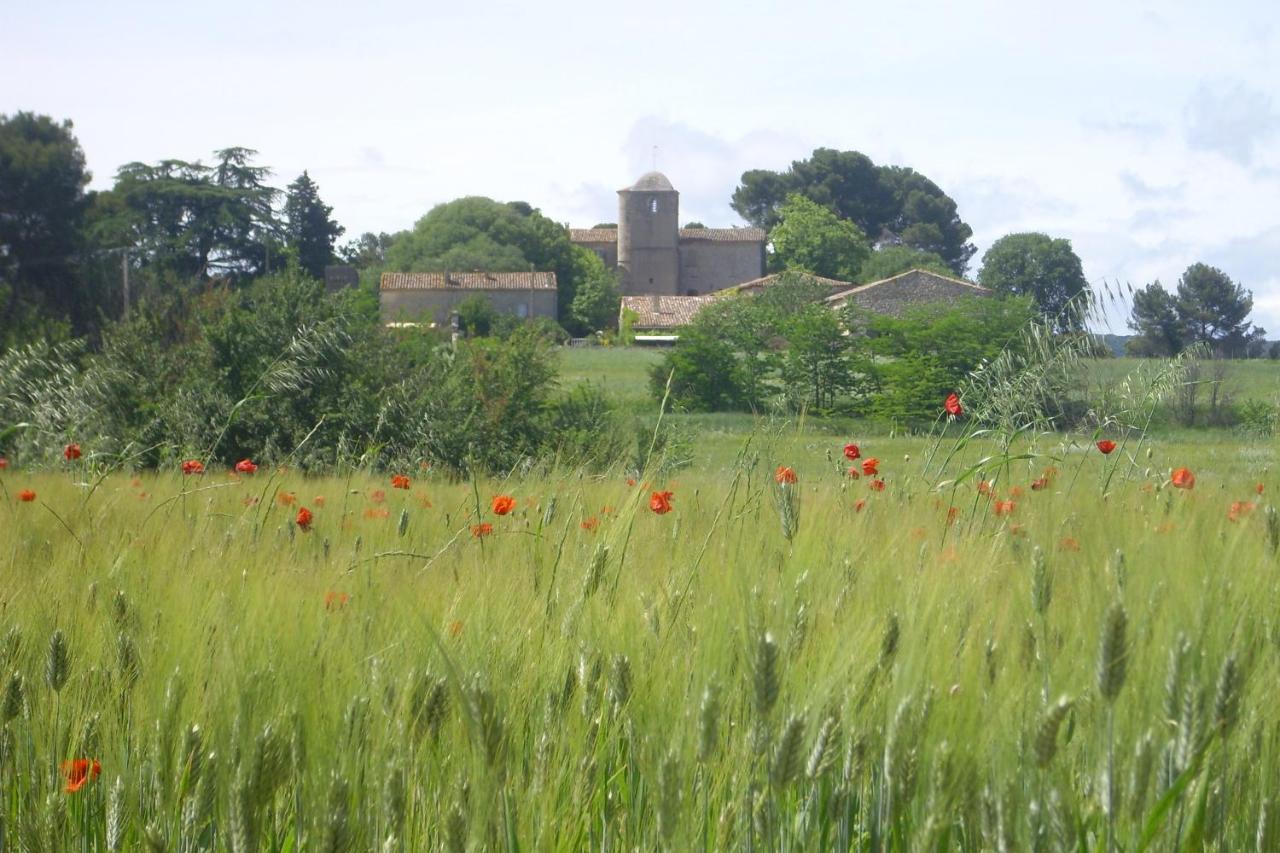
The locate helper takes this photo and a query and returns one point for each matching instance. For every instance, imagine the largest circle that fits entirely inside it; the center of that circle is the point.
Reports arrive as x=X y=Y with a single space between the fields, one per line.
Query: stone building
x=659 y=317
x=910 y=289
x=432 y=297
x=654 y=255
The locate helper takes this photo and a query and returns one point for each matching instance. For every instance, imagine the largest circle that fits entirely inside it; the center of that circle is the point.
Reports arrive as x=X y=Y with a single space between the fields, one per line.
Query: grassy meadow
x=920 y=667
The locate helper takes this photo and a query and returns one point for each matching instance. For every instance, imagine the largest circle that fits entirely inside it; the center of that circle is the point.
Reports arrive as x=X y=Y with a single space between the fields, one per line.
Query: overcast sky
x=1148 y=134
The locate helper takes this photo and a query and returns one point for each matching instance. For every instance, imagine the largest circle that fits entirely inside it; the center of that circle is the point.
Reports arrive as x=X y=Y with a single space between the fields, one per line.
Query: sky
x=1148 y=134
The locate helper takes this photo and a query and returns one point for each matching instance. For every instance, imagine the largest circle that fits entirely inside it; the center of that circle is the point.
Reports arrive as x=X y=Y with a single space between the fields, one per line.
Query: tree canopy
x=1208 y=308
x=888 y=261
x=310 y=230
x=880 y=200
x=1039 y=266
x=477 y=233
x=810 y=238
x=42 y=205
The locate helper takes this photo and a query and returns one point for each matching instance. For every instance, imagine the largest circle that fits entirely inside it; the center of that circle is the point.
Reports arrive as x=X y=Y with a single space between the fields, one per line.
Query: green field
x=624 y=374
x=595 y=675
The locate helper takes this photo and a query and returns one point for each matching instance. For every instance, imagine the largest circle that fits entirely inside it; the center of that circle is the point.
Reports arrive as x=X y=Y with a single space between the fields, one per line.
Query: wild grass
x=1094 y=670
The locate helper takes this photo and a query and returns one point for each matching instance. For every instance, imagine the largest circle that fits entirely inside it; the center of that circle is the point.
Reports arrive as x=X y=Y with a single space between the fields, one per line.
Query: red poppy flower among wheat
x=660 y=502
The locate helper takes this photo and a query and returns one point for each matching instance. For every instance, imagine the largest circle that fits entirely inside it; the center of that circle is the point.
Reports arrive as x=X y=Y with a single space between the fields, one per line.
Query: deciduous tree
x=810 y=238
x=1039 y=266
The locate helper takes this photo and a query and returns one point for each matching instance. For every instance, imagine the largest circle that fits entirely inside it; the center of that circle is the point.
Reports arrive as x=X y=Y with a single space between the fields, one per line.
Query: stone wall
x=607 y=250
x=707 y=266
x=436 y=306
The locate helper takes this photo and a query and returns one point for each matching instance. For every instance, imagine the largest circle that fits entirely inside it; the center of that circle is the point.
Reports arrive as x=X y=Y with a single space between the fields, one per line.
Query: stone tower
x=649 y=236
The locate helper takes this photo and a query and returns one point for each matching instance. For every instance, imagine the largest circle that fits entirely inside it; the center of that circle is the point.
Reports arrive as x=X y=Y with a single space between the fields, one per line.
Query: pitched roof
x=468 y=281
x=593 y=235
x=724 y=235
x=771 y=280
x=655 y=311
x=843 y=295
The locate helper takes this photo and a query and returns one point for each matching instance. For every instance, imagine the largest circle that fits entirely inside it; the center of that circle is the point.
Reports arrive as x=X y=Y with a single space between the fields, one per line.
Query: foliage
x=880 y=200
x=1215 y=310
x=597 y=300
x=478 y=233
x=928 y=352
x=189 y=222
x=1042 y=267
x=888 y=261
x=810 y=238
x=367 y=251
x=700 y=373
x=42 y=205
x=1208 y=309
x=1154 y=316
x=309 y=230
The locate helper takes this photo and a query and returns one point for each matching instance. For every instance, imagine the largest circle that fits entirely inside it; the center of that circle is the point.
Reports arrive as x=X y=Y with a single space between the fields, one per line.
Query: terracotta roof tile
x=724 y=235
x=863 y=288
x=593 y=235
x=663 y=312
x=468 y=281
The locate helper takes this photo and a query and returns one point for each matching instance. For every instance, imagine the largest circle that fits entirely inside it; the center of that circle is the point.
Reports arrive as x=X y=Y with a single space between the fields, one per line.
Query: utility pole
x=124 y=274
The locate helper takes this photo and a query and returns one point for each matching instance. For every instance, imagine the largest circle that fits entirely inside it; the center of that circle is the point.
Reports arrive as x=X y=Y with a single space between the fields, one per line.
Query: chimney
x=655 y=303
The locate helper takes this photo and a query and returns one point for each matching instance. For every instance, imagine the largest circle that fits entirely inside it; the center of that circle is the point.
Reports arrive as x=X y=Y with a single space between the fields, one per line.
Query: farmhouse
x=907 y=290
x=432 y=297
x=653 y=254
x=656 y=317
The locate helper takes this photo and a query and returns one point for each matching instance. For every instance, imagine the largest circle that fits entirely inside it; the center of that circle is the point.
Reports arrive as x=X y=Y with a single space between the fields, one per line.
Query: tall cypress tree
x=310 y=230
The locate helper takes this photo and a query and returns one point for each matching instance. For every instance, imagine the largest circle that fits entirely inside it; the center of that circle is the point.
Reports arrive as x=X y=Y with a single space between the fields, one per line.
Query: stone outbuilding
x=907 y=290
x=653 y=254
x=433 y=297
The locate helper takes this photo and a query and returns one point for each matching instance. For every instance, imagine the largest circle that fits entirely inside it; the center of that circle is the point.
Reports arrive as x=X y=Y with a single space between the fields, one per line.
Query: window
x=653 y=205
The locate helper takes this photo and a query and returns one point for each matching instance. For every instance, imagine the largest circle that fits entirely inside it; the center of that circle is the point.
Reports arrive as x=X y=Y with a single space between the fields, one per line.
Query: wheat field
x=774 y=666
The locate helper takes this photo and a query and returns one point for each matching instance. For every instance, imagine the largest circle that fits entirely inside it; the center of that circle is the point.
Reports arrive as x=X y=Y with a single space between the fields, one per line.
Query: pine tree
x=310 y=232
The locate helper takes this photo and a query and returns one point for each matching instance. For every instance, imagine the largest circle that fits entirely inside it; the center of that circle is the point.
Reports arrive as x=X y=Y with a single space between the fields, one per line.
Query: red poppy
x=1068 y=543
x=246 y=466
x=631 y=481
x=193 y=466
x=286 y=498
x=26 y=496
x=590 y=523
x=859 y=504
x=1260 y=488
x=79 y=772
x=1106 y=446
x=1004 y=507
x=4 y=463
x=1039 y=483
x=423 y=501
x=1239 y=508
x=377 y=512
x=502 y=504
x=607 y=509
x=484 y=528
x=877 y=485
x=785 y=475
x=1183 y=479
x=854 y=473
x=953 y=513
x=984 y=487
x=660 y=502
x=1016 y=492
x=71 y=452
x=851 y=452
x=334 y=600
x=377 y=496
x=870 y=466
x=952 y=405
x=399 y=481
x=318 y=500
x=303 y=519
